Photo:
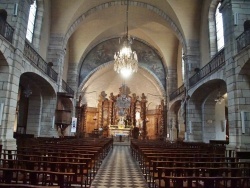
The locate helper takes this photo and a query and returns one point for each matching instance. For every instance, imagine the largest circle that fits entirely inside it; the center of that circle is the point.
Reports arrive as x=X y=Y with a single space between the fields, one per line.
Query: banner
x=73 y=124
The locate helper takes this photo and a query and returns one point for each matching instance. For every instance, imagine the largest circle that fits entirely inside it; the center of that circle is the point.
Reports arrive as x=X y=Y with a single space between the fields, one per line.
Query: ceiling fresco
x=104 y=52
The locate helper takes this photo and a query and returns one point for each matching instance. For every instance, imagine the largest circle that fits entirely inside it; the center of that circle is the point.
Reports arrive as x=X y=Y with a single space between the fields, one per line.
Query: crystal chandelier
x=125 y=60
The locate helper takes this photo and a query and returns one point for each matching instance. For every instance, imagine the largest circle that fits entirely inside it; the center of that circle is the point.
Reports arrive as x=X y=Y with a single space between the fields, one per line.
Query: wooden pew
x=183 y=162
x=154 y=174
x=77 y=159
x=190 y=173
x=26 y=186
x=205 y=182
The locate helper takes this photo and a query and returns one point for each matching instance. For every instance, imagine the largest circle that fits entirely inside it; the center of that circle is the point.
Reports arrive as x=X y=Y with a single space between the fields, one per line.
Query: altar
x=119 y=130
x=119 y=133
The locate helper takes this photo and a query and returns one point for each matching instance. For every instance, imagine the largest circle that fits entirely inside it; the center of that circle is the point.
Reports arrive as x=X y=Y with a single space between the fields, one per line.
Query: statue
x=111 y=96
x=102 y=96
x=143 y=97
x=79 y=102
x=134 y=97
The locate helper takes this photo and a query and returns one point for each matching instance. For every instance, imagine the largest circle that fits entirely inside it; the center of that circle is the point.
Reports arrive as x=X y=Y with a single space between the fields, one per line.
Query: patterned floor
x=119 y=169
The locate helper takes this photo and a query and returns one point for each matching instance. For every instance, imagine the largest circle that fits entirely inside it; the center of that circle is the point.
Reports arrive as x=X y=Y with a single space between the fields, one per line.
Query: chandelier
x=125 y=60
x=219 y=98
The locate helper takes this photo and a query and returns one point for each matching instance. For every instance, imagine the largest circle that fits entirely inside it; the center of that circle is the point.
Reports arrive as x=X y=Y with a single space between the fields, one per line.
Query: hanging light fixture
x=219 y=97
x=27 y=91
x=125 y=60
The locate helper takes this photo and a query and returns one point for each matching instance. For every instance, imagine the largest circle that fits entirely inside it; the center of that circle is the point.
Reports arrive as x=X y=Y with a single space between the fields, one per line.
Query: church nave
x=119 y=169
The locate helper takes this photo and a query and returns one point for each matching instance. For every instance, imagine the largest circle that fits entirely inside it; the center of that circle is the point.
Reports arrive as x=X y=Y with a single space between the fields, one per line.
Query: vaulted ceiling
x=163 y=25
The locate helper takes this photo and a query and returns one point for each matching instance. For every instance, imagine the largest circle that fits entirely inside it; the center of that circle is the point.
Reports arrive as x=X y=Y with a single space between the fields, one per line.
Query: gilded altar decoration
x=122 y=114
x=123 y=101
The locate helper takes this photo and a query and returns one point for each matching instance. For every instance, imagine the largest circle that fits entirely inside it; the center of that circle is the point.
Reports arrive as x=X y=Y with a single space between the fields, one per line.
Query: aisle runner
x=119 y=169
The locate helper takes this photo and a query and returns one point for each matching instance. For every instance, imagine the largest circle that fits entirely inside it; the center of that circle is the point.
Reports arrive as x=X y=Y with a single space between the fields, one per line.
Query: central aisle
x=119 y=169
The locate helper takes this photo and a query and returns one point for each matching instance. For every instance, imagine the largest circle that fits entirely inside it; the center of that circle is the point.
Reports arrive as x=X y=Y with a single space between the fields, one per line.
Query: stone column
x=171 y=80
x=191 y=59
x=15 y=67
x=194 y=123
x=171 y=86
x=56 y=54
x=235 y=12
x=191 y=62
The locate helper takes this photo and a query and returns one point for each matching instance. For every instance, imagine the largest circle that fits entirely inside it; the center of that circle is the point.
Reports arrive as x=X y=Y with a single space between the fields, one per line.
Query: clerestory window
x=31 y=22
x=219 y=28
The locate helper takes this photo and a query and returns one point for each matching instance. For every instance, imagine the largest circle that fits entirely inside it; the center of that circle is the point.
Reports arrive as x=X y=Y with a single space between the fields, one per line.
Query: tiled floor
x=119 y=169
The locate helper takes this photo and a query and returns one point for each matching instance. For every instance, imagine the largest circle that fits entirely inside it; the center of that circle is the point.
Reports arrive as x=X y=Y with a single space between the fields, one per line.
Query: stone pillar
x=171 y=116
x=15 y=66
x=73 y=76
x=191 y=60
x=171 y=86
x=208 y=120
x=56 y=53
x=235 y=12
x=171 y=80
x=174 y=129
x=181 y=125
x=194 y=123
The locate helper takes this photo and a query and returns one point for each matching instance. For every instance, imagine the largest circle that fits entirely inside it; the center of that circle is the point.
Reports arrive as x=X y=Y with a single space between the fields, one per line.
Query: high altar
x=119 y=115
x=119 y=131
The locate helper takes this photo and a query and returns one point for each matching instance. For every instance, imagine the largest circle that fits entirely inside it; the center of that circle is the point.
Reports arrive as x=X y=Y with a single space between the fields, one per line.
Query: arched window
x=219 y=28
x=31 y=22
x=3 y=15
x=216 y=31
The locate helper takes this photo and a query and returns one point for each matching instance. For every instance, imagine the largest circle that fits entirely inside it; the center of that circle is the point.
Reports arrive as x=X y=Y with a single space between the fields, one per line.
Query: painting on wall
x=104 y=52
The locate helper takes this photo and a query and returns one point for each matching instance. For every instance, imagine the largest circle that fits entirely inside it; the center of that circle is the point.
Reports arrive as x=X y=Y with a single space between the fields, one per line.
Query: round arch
x=104 y=78
x=106 y=5
x=4 y=94
x=207 y=113
x=104 y=52
x=212 y=27
x=36 y=101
